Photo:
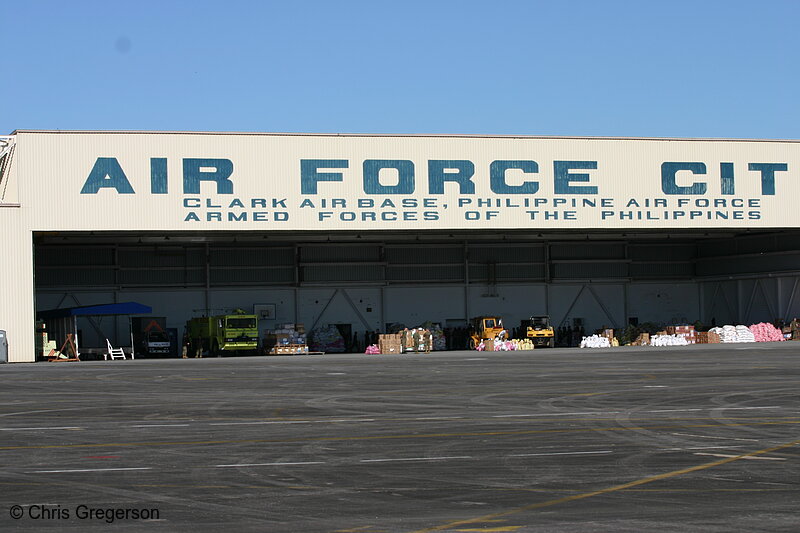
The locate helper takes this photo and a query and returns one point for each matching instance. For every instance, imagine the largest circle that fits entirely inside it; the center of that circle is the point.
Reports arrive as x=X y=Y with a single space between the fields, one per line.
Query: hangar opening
x=368 y=281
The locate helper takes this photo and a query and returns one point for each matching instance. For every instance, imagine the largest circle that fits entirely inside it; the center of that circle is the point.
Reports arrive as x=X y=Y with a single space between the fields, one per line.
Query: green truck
x=222 y=334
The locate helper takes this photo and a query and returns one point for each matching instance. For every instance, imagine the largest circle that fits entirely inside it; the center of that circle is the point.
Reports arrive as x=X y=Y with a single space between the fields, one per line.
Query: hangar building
x=369 y=230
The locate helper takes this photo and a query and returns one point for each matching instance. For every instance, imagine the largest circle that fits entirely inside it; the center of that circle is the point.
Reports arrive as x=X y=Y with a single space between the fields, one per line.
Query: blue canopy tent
x=62 y=322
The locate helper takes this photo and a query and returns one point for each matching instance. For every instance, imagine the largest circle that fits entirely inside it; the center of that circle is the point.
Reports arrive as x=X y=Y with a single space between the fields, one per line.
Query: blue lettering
x=197 y=170
x=405 y=172
x=463 y=175
x=563 y=177
x=309 y=177
x=670 y=186
x=768 y=175
x=726 y=178
x=107 y=173
x=497 y=177
x=158 y=175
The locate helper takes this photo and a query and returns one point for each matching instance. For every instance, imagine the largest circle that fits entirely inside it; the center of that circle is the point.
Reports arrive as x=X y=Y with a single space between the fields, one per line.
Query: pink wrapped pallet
x=765 y=332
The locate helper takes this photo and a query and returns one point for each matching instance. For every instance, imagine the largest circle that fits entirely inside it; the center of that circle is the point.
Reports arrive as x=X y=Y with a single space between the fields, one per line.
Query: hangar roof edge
x=396 y=135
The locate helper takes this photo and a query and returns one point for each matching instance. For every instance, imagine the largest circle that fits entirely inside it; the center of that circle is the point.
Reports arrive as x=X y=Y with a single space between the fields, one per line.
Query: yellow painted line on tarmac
x=790 y=488
x=650 y=479
x=750 y=458
x=492 y=529
x=385 y=437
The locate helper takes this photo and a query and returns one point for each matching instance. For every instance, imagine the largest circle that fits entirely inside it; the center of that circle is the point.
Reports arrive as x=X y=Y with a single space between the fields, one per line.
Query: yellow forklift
x=540 y=331
x=486 y=327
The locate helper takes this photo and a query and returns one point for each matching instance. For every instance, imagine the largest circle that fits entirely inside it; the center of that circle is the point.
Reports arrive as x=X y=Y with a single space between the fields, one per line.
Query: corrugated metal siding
x=749 y=265
x=161 y=278
x=71 y=277
x=339 y=253
x=16 y=285
x=251 y=256
x=74 y=256
x=507 y=254
x=425 y=274
x=504 y=273
x=626 y=168
x=243 y=276
x=415 y=254
x=589 y=270
x=344 y=273
x=662 y=252
x=587 y=250
x=159 y=257
x=645 y=271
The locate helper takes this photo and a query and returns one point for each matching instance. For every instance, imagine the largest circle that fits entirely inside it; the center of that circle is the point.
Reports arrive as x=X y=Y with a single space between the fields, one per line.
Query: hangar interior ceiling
x=174 y=260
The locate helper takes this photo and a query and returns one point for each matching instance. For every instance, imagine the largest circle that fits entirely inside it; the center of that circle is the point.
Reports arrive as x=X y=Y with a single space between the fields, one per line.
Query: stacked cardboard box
x=608 y=333
x=686 y=332
x=390 y=343
x=706 y=337
x=642 y=340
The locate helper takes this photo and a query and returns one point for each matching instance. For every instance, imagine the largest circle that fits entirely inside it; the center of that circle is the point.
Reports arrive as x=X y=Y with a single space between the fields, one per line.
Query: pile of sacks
x=734 y=334
x=522 y=344
x=668 y=340
x=765 y=332
x=373 y=349
x=595 y=341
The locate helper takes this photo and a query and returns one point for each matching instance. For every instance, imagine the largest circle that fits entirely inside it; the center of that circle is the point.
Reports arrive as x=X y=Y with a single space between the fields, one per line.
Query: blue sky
x=671 y=68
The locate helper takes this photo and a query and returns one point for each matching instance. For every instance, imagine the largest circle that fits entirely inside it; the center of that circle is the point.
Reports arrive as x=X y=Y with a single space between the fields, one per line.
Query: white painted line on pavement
x=271 y=464
x=86 y=470
x=414 y=459
x=697 y=448
x=759 y=458
x=562 y=453
x=264 y=422
x=160 y=426
x=733 y=408
x=37 y=429
x=711 y=409
x=261 y=423
x=559 y=414
x=343 y=420
x=671 y=410
x=710 y=437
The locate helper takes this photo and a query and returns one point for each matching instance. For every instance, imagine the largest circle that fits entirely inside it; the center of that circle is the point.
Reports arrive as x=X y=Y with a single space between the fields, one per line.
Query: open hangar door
x=371 y=280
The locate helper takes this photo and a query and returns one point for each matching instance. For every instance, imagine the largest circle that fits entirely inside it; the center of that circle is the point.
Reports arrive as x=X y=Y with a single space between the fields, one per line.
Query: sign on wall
x=204 y=182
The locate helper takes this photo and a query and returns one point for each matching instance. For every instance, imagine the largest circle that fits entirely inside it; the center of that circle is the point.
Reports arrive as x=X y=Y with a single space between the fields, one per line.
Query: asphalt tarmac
x=699 y=438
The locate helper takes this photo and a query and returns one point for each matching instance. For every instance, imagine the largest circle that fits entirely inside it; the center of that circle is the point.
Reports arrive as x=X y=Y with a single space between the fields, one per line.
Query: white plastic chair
x=114 y=353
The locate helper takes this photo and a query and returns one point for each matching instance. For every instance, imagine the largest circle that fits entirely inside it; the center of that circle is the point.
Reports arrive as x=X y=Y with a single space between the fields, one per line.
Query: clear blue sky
x=669 y=68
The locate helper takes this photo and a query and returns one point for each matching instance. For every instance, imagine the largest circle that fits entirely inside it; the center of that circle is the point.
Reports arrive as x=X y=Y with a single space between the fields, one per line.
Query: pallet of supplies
x=390 y=343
